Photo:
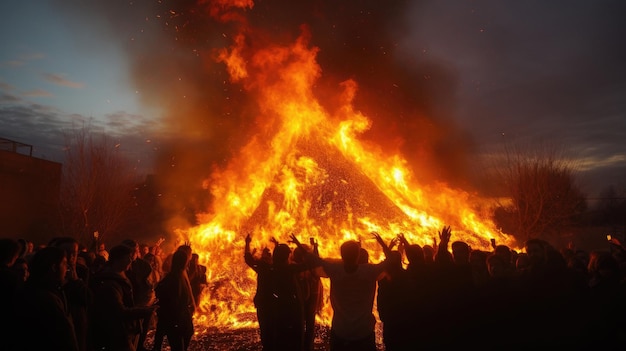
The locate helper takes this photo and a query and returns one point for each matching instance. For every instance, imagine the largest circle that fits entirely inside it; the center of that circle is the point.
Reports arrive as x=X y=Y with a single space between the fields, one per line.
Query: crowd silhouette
x=444 y=296
x=62 y=297
x=59 y=296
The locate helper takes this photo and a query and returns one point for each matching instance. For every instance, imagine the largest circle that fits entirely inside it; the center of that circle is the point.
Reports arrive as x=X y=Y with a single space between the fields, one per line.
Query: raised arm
x=315 y=247
x=312 y=259
x=403 y=240
x=443 y=255
x=247 y=255
x=382 y=244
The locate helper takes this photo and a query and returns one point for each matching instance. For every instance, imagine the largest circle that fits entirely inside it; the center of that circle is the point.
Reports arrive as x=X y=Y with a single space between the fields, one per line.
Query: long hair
x=177 y=277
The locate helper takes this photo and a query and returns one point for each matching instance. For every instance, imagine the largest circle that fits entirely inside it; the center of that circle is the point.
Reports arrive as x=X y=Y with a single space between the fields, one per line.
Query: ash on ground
x=235 y=340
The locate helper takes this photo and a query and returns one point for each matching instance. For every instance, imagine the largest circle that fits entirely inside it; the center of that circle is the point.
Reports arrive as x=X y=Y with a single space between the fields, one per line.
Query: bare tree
x=97 y=184
x=540 y=192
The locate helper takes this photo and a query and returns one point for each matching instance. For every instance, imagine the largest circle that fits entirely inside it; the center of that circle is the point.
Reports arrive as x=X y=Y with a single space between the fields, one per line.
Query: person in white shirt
x=352 y=291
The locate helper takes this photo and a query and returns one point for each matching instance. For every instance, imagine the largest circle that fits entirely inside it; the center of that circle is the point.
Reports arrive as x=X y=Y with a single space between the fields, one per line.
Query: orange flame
x=307 y=172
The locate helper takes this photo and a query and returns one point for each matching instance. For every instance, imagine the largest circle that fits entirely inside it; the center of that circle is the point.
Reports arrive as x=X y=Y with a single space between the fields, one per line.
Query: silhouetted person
x=395 y=292
x=176 y=304
x=9 y=279
x=286 y=320
x=352 y=291
x=20 y=267
x=421 y=308
x=263 y=295
x=143 y=288
x=79 y=296
x=9 y=284
x=455 y=288
x=197 y=277
x=310 y=292
x=102 y=251
x=548 y=291
x=44 y=322
x=607 y=299
x=429 y=254
x=115 y=319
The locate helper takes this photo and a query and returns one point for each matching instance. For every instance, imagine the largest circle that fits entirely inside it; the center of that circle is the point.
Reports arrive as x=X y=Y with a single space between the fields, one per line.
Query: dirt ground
x=236 y=340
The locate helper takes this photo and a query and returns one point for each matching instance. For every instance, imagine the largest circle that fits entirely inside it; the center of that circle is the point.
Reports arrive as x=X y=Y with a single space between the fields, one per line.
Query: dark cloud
x=45 y=128
x=534 y=70
x=35 y=125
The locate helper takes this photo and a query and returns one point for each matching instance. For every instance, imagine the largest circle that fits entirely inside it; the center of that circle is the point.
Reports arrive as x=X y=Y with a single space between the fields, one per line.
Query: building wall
x=29 y=197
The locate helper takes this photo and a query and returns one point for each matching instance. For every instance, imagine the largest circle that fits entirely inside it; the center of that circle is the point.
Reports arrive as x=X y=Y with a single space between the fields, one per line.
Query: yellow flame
x=307 y=172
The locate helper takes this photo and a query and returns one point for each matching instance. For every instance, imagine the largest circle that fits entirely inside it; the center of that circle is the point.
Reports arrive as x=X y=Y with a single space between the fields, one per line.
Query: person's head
x=151 y=259
x=504 y=252
x=9 y=251
x=86 y=258
x=144 y=249
x=299 y=253
x=187 y=250
x=266 y=255
x=497 y=266
x=536 y=251
x=394 y=260
x=429 y=253
x=522 y=263
x=101 y=247
x=350 y=252
x=70 y=246
x=603 y=265
x=48 y=266
x=21 y=268
x=478 y=260
x=364 y=256
x=415 y=254
x=134 y=246
x=120 y=257
x=180 y=260
x=281 y=254
x=98 y=263
x=460 y=252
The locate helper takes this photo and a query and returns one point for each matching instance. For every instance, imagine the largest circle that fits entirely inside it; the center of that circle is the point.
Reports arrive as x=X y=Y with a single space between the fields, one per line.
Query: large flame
x=307 y=172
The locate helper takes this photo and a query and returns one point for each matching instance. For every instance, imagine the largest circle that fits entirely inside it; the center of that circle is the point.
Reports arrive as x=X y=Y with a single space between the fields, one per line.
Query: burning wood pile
x=308 y=170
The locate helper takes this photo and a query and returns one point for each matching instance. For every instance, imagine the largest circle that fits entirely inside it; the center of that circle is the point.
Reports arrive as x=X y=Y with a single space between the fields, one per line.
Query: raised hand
x=160 y=241
x=274 y=241
x=444 y=235
x=381 y=242
x=248 y=238
x=395 y=241
x=314 y=245
x=379 y=239
x=402 y=239
x=294 y=240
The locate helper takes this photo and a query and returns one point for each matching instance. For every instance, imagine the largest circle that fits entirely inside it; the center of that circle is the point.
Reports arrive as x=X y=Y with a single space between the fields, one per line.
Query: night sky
x=457 y=78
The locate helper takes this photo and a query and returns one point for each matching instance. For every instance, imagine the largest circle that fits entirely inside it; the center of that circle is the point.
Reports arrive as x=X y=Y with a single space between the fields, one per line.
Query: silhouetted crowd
x=443 y=296
x=62 y=297
x=448 y=295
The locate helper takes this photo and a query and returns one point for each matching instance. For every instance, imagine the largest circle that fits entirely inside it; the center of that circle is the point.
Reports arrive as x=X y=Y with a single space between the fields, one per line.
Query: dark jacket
x=114 y=318
x=43 y=319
